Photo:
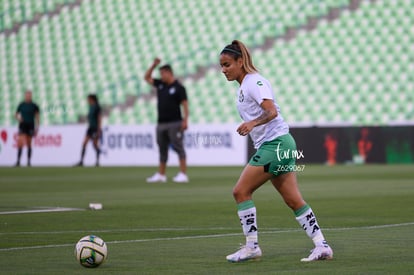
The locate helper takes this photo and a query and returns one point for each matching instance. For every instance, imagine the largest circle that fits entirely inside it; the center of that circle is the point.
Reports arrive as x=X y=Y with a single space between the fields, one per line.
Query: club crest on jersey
x=241 y=96
x=172 y=90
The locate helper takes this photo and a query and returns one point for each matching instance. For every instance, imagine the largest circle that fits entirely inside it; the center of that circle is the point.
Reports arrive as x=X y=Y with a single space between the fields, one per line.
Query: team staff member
x=28 y=116
x=171 y=95
x=270 y=134
x=94 y=130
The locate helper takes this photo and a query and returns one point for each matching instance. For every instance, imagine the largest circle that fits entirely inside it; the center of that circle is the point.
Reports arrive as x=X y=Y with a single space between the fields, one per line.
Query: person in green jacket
x=94 y=130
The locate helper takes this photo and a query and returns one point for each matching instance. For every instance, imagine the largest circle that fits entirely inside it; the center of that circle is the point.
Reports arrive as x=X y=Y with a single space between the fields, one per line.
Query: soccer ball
x=91 y=251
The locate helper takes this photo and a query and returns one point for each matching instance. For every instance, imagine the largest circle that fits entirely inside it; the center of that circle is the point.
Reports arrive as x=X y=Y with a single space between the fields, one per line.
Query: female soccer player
x=28 y=116
x=94 y=130
x=274 y=159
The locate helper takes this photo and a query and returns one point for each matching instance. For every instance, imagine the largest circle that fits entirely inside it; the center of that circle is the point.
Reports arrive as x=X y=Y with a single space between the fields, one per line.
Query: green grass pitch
x=367 y=213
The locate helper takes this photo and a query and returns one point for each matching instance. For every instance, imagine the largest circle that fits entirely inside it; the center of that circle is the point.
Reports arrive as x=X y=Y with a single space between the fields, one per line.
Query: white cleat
x=319 y=253
x=157 y=177
x=245 y=254
x=181 y=178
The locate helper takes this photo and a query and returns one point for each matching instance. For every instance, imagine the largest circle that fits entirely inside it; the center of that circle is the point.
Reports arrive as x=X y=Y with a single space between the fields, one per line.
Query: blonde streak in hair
x=247 y=59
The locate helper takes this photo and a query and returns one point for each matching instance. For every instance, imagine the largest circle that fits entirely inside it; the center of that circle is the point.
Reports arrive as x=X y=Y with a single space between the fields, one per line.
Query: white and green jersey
x=253 y=90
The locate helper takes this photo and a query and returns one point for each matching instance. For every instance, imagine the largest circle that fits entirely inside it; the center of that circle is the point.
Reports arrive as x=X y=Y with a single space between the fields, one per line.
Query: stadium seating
x=20 y=11
x=356 y=69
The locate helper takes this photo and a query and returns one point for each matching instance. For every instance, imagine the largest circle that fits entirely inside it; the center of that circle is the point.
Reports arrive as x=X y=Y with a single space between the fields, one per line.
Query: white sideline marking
x=177 y=229
x=42 y=210
x=209 y=236
x=371 y=226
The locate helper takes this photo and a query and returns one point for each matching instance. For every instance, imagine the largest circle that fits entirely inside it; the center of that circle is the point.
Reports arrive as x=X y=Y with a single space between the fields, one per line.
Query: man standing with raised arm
x=171 y=96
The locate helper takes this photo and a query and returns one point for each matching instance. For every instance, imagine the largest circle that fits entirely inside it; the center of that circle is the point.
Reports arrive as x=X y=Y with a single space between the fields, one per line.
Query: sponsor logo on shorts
x=288 y=154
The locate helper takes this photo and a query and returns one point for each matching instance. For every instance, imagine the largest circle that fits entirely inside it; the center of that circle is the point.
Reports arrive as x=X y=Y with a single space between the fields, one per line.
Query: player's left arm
x=269 y=113
x=182 y=93
x=186 y=113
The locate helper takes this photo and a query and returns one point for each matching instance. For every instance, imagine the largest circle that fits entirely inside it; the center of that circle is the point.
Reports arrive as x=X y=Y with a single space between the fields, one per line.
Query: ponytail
x=238 y=50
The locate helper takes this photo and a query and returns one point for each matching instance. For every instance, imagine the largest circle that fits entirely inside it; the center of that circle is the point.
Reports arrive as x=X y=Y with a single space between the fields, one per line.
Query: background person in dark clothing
x=171 y=95
x=94 y=130
x=28 y=116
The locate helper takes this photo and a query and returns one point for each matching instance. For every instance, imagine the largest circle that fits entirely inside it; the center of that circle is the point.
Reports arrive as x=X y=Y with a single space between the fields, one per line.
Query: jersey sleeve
x=19 y=107
x=36 y=108
x=260 y=90
x=156 y=82
x=182 y=93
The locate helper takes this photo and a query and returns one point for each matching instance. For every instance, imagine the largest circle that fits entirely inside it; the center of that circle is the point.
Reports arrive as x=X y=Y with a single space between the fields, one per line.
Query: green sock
x=301 y=210
x=245 y=205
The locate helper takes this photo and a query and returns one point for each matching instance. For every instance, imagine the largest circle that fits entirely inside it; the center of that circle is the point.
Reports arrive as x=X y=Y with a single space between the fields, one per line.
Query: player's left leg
x=251 y=178
x=97 y=149
x=286 y=185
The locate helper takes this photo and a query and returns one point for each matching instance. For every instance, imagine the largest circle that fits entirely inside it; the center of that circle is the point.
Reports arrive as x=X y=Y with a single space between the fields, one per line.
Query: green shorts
x=277 y=156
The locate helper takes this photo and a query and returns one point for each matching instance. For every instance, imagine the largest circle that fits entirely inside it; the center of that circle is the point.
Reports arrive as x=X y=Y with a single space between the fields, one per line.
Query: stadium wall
x=335 y=145
x=126 y=145
x=211 y=145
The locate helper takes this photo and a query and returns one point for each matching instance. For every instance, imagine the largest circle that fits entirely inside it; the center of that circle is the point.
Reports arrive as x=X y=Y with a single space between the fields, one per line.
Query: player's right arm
x=18 y=116
x=148 y=74
x=262 y=94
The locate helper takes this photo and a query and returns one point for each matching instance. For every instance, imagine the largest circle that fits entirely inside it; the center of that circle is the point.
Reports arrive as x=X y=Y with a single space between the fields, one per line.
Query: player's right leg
x=163 y=142
x=84 y=143
x=20 y=143
x=30 y=132
x=251 y=178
